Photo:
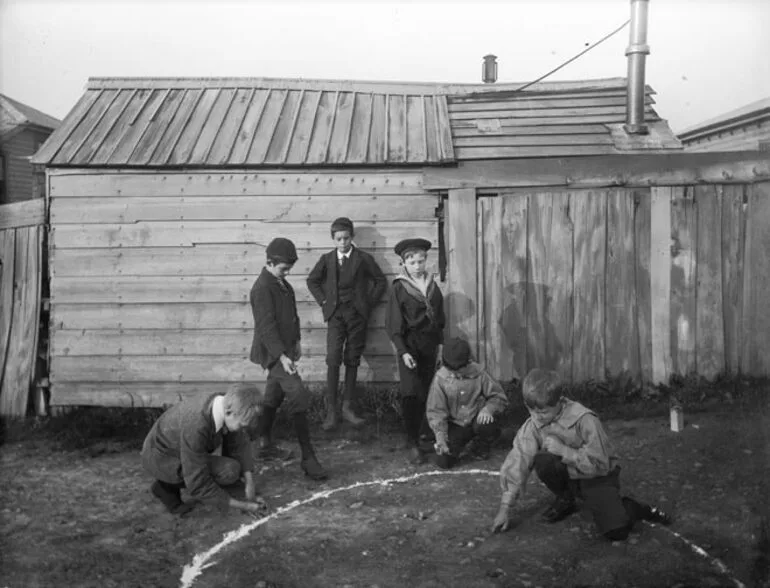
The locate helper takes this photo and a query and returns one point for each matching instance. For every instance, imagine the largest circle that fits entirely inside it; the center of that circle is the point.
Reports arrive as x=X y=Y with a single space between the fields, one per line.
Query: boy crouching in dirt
x=178 y=450
x=566 y=445
x=462 y=405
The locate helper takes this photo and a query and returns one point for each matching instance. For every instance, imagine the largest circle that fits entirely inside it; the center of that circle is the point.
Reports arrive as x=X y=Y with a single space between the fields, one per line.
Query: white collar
x=341 y=255
x=218 y=412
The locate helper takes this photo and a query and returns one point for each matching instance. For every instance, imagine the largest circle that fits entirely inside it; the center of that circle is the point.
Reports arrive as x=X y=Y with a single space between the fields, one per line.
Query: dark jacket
x=370 y=283
x=180 y=443
x=276 y=324
x=408 y=313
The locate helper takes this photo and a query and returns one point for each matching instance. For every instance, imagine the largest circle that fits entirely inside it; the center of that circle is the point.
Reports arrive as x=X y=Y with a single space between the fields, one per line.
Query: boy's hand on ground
x=485 y=416
x=288 y=365
x=250 y=490
x=502 y=521
x=552 y=445
x=409 y=361
x=441 y=447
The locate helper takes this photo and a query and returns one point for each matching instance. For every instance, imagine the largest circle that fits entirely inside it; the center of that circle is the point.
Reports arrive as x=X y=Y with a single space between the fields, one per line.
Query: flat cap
x=416 y=243
x=282 y=250
x=456 y=353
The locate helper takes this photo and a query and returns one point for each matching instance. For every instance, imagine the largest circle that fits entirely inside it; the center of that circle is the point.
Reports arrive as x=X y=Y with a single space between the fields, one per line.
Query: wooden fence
x=21 y=233
x=640 y=280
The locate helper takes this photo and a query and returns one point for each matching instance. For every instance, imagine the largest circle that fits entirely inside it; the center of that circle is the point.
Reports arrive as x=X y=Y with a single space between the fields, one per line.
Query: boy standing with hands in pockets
x=347 y=283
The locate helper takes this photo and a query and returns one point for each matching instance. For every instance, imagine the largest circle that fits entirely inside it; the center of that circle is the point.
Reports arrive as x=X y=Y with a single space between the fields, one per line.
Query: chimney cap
x=489 y=69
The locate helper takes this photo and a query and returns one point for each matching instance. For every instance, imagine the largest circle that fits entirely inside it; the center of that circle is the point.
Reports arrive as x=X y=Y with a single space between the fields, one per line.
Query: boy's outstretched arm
x=514 y=473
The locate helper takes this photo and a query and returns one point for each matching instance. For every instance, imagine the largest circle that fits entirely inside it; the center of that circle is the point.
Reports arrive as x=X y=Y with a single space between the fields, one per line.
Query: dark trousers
x=283 y=387
x=424 y=348
x=345 y=336
x=459 y=437
x=613 y=515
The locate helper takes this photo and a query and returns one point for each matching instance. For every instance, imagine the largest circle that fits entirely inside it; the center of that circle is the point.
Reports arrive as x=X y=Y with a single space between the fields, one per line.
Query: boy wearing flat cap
x=276 y=347
x=464 y=403
x=415 y=323
x=347 y=283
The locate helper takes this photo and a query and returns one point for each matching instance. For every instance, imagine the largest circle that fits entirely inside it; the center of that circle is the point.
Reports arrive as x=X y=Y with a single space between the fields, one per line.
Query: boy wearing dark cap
x=565 y=443
x=276 y=347
x=347 y=283
x=463 y=404
x=179 y=451
x=415 y=323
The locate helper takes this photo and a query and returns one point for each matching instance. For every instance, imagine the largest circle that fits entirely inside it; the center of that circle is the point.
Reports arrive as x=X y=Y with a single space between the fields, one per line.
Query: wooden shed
x=744 y=129
x=163 y=194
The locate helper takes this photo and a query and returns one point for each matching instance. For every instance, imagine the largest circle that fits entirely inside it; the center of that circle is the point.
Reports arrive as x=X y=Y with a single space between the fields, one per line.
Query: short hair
x=243 y=400
x=276 y=259
x=342 y=224
x=541 y=388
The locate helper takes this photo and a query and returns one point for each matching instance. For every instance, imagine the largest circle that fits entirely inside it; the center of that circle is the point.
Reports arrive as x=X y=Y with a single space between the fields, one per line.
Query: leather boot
x=309 y=463
x=266 y=449
x=351 y=373
x=332 y=383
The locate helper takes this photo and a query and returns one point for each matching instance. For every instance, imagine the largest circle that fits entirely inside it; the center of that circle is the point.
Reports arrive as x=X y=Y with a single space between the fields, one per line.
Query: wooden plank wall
x=641 y=283
x=151 y=273
x=20 y=281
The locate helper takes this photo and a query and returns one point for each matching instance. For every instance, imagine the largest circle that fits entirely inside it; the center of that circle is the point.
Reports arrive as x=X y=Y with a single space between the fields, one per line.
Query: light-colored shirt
x=218 y=412
x=341 y=256
x=459 y=396
x=589 y=453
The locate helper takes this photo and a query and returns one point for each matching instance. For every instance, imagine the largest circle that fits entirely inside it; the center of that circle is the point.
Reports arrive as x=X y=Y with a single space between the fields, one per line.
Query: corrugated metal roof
x=157 y=123
x=541 y=123
x=13 y=114
x=244 y=122
x=748 y=114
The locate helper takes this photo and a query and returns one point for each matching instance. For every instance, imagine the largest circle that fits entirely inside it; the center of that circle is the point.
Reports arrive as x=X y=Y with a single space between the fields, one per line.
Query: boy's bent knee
x=227 y=472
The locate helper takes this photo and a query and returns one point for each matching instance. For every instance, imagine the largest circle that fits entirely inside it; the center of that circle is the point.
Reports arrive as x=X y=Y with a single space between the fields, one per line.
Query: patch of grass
x=83 y=426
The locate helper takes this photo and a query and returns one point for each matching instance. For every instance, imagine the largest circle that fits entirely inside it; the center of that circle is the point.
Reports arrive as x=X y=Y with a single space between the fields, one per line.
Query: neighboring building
x=22 y=131
x=163 y=194
x=744 y=129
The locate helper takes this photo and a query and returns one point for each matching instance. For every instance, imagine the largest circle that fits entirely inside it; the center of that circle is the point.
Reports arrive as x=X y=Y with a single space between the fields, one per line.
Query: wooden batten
x=460 y=299
x=27 y=213
x=660 y=282
x=639 y=170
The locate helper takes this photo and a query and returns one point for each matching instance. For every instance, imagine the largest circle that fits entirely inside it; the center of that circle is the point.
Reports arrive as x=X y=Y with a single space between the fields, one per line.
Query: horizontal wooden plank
x=150 y=289
x=270 y=183
x=206 y=368
x=362 y=208
x=508 y=121
x=185 y=234
x=26 y=213
x=535 y=113
x=472 y=130
x=469 y=153
x=235 y=342
x=208 y=260
x=493 y=140
x=524 y=102
x=643 y=170
x=184 y=315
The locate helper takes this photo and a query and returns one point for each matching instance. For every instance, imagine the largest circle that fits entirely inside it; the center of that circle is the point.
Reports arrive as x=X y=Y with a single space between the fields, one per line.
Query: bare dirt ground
x=86 y=518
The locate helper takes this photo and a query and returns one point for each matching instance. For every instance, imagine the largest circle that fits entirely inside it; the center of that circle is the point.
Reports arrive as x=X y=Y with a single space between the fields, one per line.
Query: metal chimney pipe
x=637 y=51
x=489 y=69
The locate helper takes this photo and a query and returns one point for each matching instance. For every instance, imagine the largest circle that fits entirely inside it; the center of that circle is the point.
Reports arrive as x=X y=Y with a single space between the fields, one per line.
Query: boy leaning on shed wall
x=178 y=450
x=464 y=404
x=276 y=347
x=566 y=445
x=347 y=283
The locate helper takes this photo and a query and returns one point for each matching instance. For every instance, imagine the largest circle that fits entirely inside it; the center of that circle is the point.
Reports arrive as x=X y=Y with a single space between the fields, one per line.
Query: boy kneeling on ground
x=178 y=450
x=566 y=445
x=462 y=405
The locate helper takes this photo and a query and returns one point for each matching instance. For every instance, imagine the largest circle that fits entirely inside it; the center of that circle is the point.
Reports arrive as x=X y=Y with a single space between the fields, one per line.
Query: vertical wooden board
x=230 y=125
x=375 y=152
x=620 y=333
x=512 y=317
x=360 y=129
x=482 y=217
x=322 y=128
x=642 y=263
x=733 y=243
x=80 y=133
x=683 y=280
x=284 y=128
x=460 y=300
x=755 y=355
x=660 y=282
x=417 y=148
x=103 y=128
x=590 y=226
x=212 y=127
x=558 y=291
x=17 y=378
x=171 y=131
x=140 y=141
x=396 y=129
x=239 y=152
x=538 y=238
x=7 y=279
x=191 y=131
x=709 y=322
x=122 y=127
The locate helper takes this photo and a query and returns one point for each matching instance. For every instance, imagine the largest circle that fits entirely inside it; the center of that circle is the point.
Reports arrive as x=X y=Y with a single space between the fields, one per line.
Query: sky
x=707 y=56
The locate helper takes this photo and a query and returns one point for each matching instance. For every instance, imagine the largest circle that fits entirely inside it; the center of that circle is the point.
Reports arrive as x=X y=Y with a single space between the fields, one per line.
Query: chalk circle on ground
x=204 y=560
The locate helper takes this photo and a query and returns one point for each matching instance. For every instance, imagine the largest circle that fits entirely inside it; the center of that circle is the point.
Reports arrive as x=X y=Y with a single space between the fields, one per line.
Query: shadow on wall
x=527 y=330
